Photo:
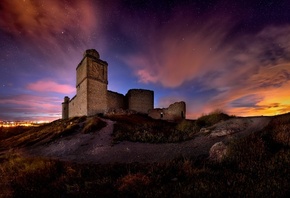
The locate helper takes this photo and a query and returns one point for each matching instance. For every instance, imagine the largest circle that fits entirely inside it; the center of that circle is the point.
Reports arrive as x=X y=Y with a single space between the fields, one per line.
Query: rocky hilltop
x=94 y=139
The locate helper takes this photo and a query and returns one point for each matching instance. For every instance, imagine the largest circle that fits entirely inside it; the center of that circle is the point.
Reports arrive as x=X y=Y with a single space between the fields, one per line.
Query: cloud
x=247 y=101
x=271 y=77
x=249 y=72
x=255 y=75
x=50 y=36
x=29 y=107
x=50 y=86
x=50 y=27
x=146 y=77
x=180 y=52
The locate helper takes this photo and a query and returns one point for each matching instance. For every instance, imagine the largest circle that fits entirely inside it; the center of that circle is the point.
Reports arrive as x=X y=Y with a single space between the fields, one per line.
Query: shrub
x=133 y=183
x=212 y=118
x=185 y=125
x=46 y=133
x=7 y=132
x=93 y=124
x=141 y=128
x=26 y=177
x=247 y=153
x=279 y=129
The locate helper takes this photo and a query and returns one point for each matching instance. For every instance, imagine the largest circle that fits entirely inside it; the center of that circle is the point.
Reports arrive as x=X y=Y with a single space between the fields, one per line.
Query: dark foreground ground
x=91 y=164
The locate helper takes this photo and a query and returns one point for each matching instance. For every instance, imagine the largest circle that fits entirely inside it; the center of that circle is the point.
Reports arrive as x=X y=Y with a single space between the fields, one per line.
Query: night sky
x=229 y=55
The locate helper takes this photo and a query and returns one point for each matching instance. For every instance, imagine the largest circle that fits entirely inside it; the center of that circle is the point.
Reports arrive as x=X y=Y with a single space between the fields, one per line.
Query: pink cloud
x=181 y=51
x=32 y=101
x=50 y=86
x=43 y=20
x=57 y=31
x=255 y=63
x=146 y=77
x=30 y=107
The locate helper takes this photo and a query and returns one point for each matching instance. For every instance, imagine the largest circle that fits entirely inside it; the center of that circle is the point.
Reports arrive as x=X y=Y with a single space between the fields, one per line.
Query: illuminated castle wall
x=92 y=95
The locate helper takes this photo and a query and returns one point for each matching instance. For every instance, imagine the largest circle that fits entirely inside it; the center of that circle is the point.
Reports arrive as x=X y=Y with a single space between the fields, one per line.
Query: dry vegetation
x=257 y=166
x=22 y=137
x=141 y=128
x=212 y=118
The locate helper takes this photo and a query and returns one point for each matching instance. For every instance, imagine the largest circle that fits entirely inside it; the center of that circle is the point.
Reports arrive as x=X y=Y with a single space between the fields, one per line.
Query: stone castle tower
x=93 y=97
x=91 y=83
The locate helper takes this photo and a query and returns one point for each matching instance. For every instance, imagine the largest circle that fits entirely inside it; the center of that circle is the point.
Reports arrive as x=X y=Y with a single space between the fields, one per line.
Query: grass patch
x=36 y=177
x=21 y=137
x=141 y=128
x=7 y=132
x=212 y=118
x=257 y=166
x=93 y=124
x=44 y=133
x=279 y=129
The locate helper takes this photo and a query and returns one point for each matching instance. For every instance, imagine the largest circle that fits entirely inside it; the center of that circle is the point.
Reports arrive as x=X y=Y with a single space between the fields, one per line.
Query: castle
x=93 y=97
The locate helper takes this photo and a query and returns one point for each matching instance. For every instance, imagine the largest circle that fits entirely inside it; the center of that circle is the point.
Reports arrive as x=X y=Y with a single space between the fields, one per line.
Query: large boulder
x=218 y=151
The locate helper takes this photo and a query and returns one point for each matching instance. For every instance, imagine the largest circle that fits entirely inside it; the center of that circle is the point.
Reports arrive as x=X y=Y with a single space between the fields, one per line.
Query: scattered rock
x=222 y=132
x=204 y=130
x=218 y=151
x=119 y=111
x=103 y=149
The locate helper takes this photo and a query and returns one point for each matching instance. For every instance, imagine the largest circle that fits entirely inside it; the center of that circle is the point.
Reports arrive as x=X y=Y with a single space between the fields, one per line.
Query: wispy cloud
x=51 y=35
x=245 y=71
x=50 y=86
x=44 y=22
x=258 y=66
x=29 y=107
x=181 y=52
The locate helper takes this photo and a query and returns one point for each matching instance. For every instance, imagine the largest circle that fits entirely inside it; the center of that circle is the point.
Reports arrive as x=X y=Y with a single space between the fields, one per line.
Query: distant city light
x=22 y=123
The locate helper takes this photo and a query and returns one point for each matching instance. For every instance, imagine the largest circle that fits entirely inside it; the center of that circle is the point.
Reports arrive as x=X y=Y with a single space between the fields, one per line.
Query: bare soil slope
x=97 y=147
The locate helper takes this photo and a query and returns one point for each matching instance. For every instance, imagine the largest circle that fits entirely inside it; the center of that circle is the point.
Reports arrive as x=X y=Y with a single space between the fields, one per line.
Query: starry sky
x=212 y=54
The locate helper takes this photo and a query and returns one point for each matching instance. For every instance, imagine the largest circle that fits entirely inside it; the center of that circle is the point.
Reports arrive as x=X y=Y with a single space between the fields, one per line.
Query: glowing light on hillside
x=21 y=123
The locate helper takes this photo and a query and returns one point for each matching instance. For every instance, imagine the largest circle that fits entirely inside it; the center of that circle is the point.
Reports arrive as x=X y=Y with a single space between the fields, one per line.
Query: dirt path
x=97 y=148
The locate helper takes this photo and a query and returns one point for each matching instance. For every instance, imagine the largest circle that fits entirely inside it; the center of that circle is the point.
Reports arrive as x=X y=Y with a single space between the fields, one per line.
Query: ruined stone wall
x=156 y=113
x=115 y=100
x=175 y=111
x=140 y=100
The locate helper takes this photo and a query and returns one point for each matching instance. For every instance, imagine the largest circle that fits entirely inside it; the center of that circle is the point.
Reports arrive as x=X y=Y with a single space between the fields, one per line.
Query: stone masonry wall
x=65 y=108
x=115 y=100
x=97 y=83
x=175 y=111
x=81 y=71
x=92 y=96
x=140 y=100
x=97 y=97
x=78 y=104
